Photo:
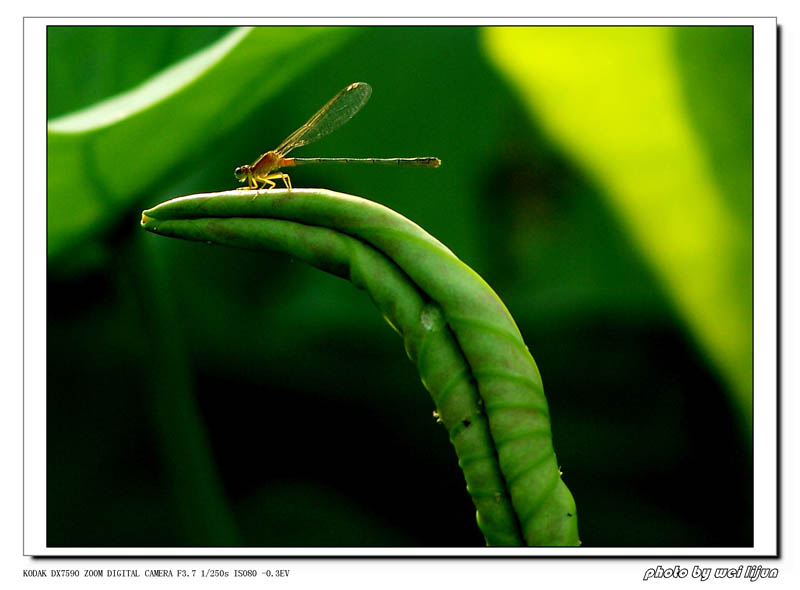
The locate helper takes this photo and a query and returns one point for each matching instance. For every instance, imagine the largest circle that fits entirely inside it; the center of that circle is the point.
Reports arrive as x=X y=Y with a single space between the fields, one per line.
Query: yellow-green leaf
x=613 y=98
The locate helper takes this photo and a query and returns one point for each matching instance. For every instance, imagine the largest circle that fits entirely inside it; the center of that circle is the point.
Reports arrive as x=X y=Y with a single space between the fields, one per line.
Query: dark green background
x=205 y=396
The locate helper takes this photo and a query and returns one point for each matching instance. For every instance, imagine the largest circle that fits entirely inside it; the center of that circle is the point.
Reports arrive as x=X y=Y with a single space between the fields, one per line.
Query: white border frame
x=765 y=297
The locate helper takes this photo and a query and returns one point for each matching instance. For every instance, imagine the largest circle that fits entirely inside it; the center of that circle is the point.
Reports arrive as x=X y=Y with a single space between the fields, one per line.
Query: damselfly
x=335 y=113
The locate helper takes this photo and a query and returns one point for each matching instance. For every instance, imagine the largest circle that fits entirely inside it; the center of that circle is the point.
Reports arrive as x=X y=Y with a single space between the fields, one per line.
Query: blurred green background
x=599 y=178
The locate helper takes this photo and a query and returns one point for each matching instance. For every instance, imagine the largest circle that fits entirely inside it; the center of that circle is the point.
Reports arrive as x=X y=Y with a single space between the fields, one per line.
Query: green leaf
x=615 y=99
x=88 y=64
x=469 y=352
x=100 y=158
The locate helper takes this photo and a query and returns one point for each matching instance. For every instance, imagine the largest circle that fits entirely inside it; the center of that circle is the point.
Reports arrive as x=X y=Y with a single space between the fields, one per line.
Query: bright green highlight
x=159 y=87
x=613 y=97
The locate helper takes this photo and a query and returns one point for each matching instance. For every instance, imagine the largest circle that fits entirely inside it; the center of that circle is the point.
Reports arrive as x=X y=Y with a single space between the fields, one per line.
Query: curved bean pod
x=468 y=350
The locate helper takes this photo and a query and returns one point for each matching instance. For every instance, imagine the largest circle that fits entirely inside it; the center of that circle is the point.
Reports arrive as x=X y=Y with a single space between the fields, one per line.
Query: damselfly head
x=241 y=173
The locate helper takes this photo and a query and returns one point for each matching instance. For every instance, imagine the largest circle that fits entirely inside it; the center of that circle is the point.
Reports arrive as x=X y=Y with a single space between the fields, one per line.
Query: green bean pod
x=468 y=350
